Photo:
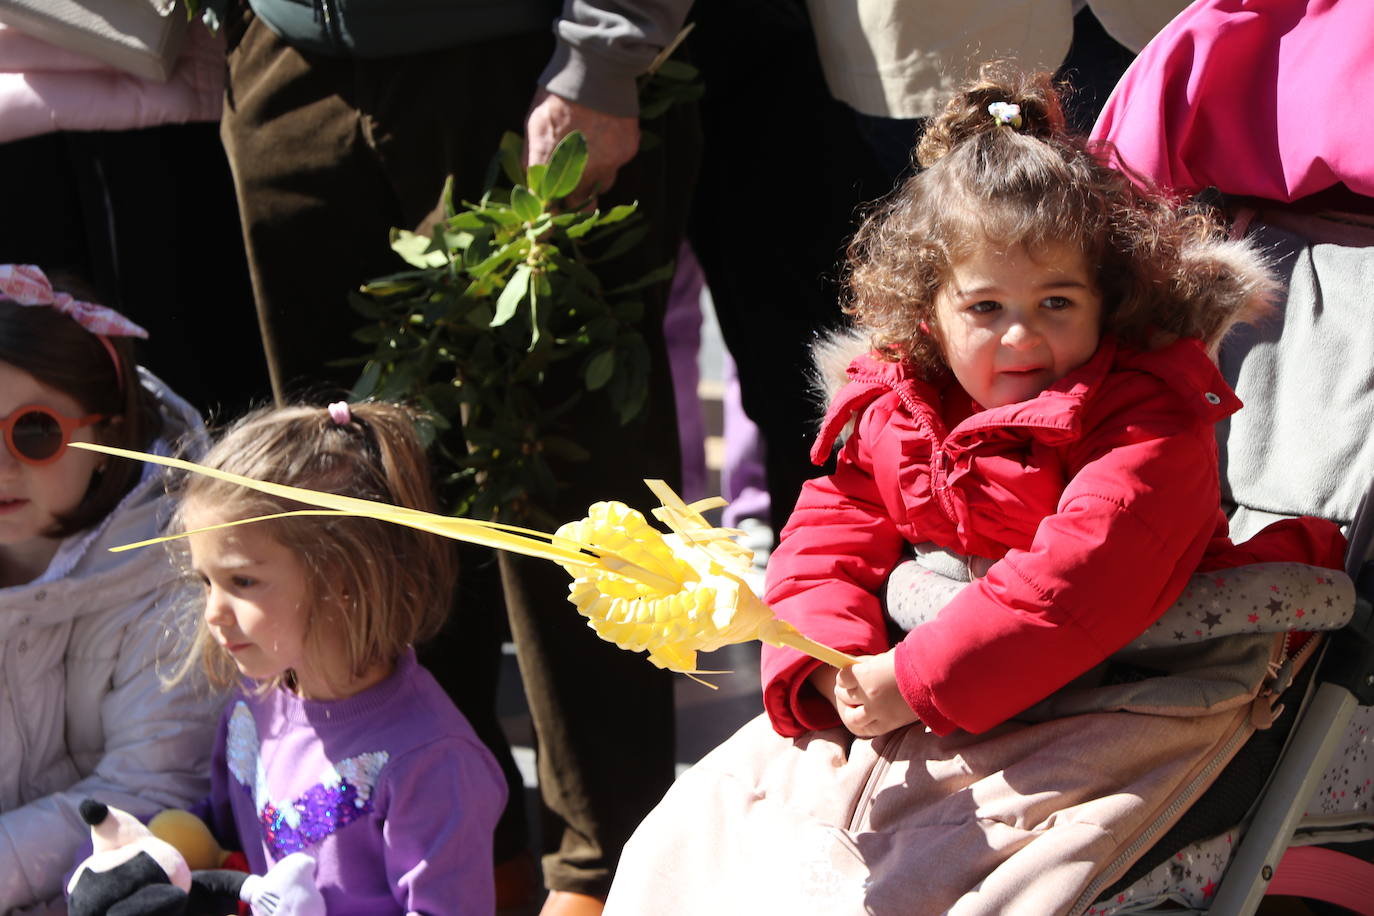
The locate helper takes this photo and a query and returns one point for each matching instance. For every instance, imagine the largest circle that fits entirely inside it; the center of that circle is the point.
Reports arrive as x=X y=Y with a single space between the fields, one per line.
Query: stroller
x=1308 y=408
x=1198 y=109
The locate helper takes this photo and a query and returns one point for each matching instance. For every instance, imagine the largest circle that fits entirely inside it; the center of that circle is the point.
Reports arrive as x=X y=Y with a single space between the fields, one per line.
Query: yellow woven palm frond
x=671 y=596
x=712 y=607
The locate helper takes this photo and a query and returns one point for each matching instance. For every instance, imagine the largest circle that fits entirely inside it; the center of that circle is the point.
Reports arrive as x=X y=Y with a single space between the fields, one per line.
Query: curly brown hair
x=388 y=584
x=1032 y=185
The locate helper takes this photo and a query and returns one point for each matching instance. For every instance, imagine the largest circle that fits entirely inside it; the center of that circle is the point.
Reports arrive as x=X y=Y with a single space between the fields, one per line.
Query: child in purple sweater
x=338 y=743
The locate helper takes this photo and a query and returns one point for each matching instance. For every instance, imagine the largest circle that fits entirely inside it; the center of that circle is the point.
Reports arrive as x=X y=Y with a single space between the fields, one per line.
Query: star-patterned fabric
x=1341 y=803
x=1261 y=598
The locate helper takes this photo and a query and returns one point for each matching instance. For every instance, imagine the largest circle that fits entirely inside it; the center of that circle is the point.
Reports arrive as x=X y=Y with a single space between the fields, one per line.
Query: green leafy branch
x=503 y=291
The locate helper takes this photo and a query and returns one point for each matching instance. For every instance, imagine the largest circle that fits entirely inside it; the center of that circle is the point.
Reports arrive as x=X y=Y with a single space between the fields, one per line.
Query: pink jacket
x=1264 y=98
x=1098 y=498
x=45 y=88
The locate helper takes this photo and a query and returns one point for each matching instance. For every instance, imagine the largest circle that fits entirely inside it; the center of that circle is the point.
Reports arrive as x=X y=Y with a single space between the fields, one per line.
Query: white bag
x=142 y=37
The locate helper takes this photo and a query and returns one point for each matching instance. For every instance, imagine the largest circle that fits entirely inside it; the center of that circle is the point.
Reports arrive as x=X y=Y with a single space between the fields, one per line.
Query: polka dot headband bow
x=26 y=284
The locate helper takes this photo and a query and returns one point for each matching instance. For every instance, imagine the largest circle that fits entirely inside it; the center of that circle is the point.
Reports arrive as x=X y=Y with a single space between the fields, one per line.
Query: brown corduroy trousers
x=328 y=155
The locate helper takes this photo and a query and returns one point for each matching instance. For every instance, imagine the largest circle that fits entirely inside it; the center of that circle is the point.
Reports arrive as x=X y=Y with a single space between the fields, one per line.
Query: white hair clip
x=1007 y=114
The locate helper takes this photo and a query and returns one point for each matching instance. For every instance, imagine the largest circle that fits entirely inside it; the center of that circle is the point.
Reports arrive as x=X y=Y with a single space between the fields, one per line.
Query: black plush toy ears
x=138 y=887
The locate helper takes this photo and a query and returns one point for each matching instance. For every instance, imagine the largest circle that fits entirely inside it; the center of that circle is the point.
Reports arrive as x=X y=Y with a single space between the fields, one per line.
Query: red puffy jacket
x=1098 y=499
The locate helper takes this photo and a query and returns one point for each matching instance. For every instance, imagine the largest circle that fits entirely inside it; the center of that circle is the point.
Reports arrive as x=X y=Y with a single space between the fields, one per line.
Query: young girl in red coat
x=1039 y=400
x=1034 y=399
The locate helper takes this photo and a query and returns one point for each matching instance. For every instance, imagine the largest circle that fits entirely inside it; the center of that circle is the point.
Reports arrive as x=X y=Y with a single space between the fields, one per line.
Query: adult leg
x=421 y=134
x=316 y=207
x=328 y=156
x=604 y=716
x=773 y=265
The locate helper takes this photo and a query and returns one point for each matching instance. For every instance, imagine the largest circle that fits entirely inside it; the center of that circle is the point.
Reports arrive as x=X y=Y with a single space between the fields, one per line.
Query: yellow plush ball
x=189 y=835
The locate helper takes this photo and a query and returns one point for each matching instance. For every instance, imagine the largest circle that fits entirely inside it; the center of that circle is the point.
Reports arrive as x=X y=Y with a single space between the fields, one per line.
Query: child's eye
x=1056 y=303
x=243 y=581
x=984 y=307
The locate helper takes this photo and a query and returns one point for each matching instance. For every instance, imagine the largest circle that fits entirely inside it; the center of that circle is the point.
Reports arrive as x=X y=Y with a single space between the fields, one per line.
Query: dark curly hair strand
x=1035 y=185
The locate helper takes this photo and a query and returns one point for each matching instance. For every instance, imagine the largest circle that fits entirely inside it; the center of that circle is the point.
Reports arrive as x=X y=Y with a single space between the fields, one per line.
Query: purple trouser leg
x=682 y=330
x=743 y=478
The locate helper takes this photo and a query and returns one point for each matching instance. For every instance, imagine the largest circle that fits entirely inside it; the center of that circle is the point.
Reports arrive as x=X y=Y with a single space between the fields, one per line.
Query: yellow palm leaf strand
x=491 y=534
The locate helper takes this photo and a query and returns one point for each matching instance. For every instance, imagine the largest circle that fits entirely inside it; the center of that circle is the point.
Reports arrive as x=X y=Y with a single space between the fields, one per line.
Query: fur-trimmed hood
x=1231 y=280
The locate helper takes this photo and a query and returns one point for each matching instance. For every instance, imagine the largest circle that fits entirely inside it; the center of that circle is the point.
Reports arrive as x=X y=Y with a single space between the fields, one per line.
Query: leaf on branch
x=417 y=250
x=512 y=155
x=599 y=369
x=619 y=212
x=576 y=271
x=446 y=199
x=539 y=287
x=512 y=296
x=468 y=219
x=367 y=382
x=657 y=275
x=500 y=296
x=623 y=243
x=391 y=286
x=678 y=70
x=590 y=221
x=566 y=164
x=537 y=180
x=370 y=333
x=525 y=204
x=459 y=240
x=500 y=258
x=366 y=306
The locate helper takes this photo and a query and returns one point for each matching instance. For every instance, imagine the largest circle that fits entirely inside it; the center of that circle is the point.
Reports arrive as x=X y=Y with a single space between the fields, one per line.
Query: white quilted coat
x=82 y=709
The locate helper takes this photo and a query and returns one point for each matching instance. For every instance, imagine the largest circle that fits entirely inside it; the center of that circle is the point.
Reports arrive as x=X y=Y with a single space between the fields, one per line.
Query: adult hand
x=867 y=697
x=612 y=141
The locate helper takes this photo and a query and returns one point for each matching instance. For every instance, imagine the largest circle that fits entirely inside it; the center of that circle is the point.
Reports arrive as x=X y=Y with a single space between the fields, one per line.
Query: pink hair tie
x=27 y=285
x=340 y=414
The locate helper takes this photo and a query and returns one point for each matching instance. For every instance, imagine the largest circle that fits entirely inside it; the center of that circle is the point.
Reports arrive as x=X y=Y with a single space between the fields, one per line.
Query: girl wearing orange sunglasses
x=82 y=628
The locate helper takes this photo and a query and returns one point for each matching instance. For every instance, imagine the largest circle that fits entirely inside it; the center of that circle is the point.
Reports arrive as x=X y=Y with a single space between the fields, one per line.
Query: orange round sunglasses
x=39 y=435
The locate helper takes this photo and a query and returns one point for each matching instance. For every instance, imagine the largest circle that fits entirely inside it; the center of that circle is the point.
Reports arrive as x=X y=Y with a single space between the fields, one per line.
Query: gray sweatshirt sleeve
x=603 y=46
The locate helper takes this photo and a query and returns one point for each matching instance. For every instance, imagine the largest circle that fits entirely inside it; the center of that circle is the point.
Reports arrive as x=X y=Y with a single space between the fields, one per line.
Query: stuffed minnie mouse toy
x=130 y=872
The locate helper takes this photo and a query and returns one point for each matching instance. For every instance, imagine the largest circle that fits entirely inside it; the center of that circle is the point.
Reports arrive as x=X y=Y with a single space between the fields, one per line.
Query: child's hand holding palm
x=866 y=695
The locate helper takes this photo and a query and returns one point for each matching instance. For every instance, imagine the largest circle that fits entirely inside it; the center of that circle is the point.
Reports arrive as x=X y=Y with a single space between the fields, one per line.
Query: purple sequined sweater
x=390 y=790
